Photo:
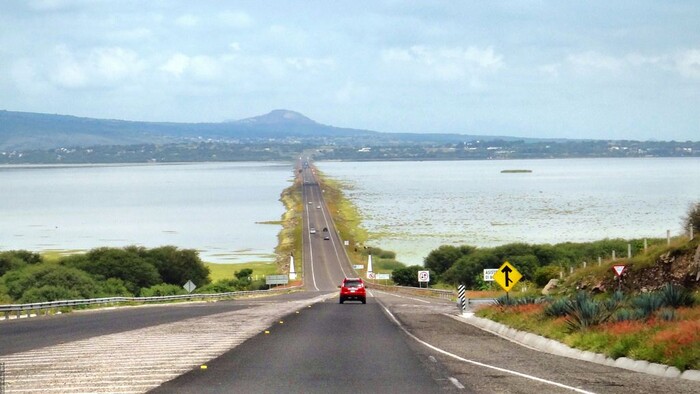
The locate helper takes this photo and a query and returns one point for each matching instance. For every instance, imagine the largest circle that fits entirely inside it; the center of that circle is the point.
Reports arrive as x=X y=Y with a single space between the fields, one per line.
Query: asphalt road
x=328 y=348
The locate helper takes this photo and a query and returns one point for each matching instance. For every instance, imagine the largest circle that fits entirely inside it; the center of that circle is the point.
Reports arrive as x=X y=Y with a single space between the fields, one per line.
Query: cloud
x=99 y=67
x=688 y=63
x=236 y=19
x=308 y=63
x=594 y=61
x=202 y=68
x=187 y=21
x=445 y=63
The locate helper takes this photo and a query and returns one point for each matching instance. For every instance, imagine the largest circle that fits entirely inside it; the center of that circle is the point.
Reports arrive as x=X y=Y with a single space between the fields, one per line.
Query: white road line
x=456 y=357
x=456 y=383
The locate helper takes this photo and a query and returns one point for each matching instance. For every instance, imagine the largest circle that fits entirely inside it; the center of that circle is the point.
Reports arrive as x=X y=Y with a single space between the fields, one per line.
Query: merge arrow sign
x=507 y=276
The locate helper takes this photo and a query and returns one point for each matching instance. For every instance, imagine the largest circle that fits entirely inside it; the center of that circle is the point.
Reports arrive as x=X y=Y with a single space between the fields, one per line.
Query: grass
x=226 y=271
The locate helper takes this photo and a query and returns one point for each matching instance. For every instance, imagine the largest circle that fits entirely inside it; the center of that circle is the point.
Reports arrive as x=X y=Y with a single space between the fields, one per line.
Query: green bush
x=74 y=281
x=544 y=274
x=16 y=259
x=162 y=290
x=692 y=218
x=48 y=293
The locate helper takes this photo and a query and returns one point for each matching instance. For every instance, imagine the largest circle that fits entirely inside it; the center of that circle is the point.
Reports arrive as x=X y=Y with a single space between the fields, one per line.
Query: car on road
x=312 y=230
x=318 y=207
x=326 y=237
x=353 y=289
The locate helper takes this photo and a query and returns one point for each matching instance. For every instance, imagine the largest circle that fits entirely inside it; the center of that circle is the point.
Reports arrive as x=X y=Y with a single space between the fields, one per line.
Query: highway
x=303 y=342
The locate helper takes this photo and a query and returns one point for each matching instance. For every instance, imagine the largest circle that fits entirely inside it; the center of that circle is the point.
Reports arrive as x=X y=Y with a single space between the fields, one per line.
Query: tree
x=243 y=274
x=441 y=259
x=408 y=276
x=124 y=264
x=15 y=259
x=177 y=266
x=692 y=219
x=56 y=280
x=544 y=274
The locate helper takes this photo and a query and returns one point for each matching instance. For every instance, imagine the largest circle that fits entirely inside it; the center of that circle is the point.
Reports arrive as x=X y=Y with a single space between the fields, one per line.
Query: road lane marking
x=456 y=383
x=477 y=363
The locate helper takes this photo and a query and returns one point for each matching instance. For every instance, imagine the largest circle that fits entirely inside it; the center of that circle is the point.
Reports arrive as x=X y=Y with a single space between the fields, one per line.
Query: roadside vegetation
x=662 y=326
x=27 y=277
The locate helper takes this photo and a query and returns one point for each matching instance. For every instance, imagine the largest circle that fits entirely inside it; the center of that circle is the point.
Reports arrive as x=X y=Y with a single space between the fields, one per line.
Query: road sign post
x=506 y=277
x=461 y=293
x=619 y=269
x=423 y=276
x=189 y=286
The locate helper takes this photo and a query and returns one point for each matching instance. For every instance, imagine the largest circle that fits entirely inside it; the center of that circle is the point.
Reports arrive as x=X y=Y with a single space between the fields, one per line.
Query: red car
x=353 y=289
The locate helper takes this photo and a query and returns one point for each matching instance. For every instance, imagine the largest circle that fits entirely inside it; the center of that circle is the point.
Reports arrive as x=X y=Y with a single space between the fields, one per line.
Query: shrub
x=513 y=301
x=584 y=312
x=692 y=218
x=544 y=274
x=78 y=283
x=647 y=303
x=162 y=290
x=48 y=293
x=676 y=296
x=557 y=308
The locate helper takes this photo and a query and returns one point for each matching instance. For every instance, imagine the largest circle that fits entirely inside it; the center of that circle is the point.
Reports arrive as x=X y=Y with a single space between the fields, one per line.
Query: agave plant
x=676 y=296
x=647 y=303
x=583 y=312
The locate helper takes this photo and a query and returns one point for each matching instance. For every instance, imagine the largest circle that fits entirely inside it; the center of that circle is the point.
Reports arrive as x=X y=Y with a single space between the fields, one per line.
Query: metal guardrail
x=428 y=292
x=17 y=309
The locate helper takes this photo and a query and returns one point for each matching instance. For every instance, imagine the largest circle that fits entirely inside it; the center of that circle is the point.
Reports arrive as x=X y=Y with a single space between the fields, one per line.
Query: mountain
x=30 y=131
x=22 y=131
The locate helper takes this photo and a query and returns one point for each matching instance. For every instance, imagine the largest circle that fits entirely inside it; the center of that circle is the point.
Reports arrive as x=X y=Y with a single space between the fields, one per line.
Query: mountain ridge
x=41 y=131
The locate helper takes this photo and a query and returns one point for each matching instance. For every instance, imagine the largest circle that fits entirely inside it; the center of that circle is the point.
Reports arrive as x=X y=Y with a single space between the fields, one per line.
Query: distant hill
x=35 y=131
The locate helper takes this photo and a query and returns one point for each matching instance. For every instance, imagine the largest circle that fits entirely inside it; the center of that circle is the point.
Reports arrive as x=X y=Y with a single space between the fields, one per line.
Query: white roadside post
x=292 y=271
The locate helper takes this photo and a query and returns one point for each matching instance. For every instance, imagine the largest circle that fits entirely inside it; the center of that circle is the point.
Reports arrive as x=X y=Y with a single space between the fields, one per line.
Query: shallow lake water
x=216 y=208
x=414 y=207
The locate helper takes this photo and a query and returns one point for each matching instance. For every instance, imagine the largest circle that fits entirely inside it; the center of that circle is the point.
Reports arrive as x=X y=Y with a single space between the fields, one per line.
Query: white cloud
x=350 y=92
x=99 y=67
x=187 y=21
x=307 y=63
x=445 y=63
x=203 y=68
x=236 y=19
x=591 y=60
x=688 y=63
x=176 y=65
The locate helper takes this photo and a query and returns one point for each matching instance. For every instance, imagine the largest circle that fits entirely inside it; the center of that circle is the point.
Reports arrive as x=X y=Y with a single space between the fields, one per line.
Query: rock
x=550 y=286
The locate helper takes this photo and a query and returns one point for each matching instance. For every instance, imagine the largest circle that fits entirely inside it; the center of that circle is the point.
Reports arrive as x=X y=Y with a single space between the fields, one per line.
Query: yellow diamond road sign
x=507 y=276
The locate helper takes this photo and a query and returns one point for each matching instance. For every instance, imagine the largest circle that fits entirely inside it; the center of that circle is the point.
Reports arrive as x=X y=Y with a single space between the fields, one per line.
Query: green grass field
x=226 y=271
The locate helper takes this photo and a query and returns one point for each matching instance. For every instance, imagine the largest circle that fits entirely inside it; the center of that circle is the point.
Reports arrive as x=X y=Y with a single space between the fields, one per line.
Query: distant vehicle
x=325 y=229
x=310 y=202
x=318 y=207
x=326 y=237
x=312 y=230
x=353 y=289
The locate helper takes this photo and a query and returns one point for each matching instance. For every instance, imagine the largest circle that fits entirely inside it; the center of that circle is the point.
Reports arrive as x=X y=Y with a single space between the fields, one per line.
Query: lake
x=414 y=207
x=216 y=208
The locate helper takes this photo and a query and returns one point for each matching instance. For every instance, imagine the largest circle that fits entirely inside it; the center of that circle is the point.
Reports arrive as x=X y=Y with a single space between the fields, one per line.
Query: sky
x=550 y=69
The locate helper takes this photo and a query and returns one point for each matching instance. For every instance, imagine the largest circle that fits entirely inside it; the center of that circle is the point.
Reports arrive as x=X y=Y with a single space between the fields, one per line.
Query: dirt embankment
x=679 y=265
